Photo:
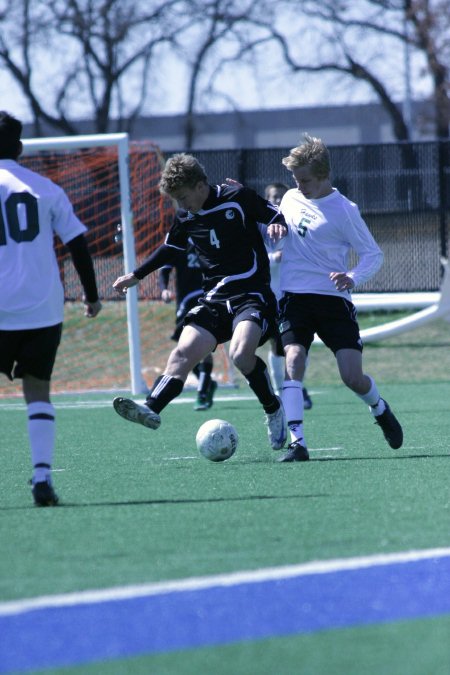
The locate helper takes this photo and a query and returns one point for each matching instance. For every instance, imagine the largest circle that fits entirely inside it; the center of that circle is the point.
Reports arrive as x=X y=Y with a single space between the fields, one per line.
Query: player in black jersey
x=221 y=222
x=189 y=280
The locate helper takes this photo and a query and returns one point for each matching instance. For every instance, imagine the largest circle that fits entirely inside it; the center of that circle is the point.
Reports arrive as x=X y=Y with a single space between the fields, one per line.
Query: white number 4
x=213 y=239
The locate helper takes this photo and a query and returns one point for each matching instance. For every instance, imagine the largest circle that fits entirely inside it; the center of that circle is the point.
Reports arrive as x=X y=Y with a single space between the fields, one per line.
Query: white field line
x=223 y=580
x=107 y=403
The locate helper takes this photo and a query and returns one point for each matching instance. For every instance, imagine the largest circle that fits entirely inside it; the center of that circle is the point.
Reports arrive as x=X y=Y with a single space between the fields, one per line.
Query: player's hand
x=91 y=309
x=231 y=182
x=122 y=284
x=166 y=295
x=342 y=281
x=276 y=231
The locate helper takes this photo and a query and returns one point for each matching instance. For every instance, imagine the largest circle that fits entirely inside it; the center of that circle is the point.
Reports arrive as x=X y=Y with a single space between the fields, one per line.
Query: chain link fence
x=402 y=190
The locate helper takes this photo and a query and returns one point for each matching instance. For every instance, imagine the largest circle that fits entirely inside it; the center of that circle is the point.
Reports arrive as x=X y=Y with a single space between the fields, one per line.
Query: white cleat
x=135 y=412
x=277 y=427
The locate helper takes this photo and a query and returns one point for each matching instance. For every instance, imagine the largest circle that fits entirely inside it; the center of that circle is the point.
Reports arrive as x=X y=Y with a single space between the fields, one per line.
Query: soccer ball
x=217 y=440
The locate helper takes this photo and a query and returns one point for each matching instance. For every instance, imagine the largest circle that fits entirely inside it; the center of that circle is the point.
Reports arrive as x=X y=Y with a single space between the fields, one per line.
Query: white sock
x=41 y=432
x=293 y=405
x=376 y=404
x=276 y=370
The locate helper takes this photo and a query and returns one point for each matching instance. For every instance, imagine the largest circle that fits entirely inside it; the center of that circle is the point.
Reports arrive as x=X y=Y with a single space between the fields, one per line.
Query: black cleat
x=205 y=401
x=390 y=427
x=44 y=494
x=296 y=453
x=307 y=402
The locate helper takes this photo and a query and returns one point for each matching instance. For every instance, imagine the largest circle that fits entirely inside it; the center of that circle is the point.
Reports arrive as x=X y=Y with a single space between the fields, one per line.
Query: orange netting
x=94 y=353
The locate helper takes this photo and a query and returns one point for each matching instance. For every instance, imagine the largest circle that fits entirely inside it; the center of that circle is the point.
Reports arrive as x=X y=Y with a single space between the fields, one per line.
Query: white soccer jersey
x=33 y=209
x=321 y=233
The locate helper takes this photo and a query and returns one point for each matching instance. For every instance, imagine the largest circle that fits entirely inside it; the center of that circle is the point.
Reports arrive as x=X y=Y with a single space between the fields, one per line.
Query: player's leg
x=194 y=345
x=275 y=361
x=351 y=370
x=339 y=330
x=206 y=385
x=293 y=402
x=35 y=361
x=244 y=343
x=297 y=320
x=41 y=433
x=307 y=400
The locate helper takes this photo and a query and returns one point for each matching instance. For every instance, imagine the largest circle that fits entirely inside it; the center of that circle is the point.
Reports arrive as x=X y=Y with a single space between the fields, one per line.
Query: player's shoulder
x=292 y=193
x=39 y=183
x=345 y=203
x=234 y=192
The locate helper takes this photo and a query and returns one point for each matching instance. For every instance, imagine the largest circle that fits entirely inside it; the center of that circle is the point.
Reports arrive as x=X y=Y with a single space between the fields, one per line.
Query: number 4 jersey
x=32 y=210
x=229 y=245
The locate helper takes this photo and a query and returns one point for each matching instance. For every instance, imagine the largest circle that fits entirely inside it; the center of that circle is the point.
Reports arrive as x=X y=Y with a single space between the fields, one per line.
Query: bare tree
x=218 y=31
x=95 y=45
x=363 y=42
x=98 y=59
x=430 y=23
x=359 y=36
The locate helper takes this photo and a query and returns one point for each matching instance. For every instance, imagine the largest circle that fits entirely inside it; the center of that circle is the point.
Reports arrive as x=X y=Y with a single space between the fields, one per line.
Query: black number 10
x=12 y=218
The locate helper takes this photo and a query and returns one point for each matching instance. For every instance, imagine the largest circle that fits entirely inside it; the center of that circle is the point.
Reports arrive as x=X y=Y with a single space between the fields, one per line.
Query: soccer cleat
x=307 y=402
x=390 y=427
x=277 y=427
x=135 y=412
x=44 y=494
x=296 y=453
x=205 y=401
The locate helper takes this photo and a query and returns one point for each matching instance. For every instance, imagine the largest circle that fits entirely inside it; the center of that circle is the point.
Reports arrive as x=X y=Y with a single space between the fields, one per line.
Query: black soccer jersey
x=225 y=235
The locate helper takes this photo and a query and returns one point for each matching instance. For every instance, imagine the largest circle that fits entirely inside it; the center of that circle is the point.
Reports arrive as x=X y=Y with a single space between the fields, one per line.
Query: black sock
x=259 y=382
x=204 y=376
x=164 y=390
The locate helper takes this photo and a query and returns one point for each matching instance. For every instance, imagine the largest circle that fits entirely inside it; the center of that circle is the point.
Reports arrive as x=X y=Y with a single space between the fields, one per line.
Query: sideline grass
x=94 y=354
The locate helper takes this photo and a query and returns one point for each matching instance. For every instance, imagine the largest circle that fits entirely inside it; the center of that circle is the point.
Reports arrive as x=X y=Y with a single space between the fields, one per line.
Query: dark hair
x=276 y=186
x=10 y=133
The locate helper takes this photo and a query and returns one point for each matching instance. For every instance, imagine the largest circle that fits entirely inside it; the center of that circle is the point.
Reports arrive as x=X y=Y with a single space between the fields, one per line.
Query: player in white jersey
x=322 y=227
x=32 y=211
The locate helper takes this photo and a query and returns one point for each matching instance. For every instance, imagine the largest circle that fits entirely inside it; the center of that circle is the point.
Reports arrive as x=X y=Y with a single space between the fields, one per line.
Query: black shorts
x=221 y=317
x=182 y=311
x=29 y=352
x=332 y=318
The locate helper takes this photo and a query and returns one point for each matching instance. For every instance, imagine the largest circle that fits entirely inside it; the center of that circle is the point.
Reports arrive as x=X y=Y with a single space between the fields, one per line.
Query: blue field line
x=75 y=634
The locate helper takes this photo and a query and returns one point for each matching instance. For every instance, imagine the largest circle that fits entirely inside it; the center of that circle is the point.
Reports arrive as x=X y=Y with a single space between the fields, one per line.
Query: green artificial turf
x=142 y=506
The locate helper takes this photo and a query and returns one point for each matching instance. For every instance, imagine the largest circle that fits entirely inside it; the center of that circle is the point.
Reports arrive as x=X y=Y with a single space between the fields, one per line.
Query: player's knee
x=295 y=365
x=179 y=359
x=242 y=359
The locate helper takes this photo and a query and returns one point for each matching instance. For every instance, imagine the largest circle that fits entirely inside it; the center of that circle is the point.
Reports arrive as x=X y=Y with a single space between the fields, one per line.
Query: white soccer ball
x=217 y=440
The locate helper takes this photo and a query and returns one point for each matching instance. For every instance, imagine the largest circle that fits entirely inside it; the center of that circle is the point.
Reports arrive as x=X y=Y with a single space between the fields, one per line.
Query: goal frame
x=121 y=141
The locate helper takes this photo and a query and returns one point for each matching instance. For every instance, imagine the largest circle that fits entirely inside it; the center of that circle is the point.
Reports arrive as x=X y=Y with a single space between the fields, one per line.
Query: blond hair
x=181 y=171
x=313 y=153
